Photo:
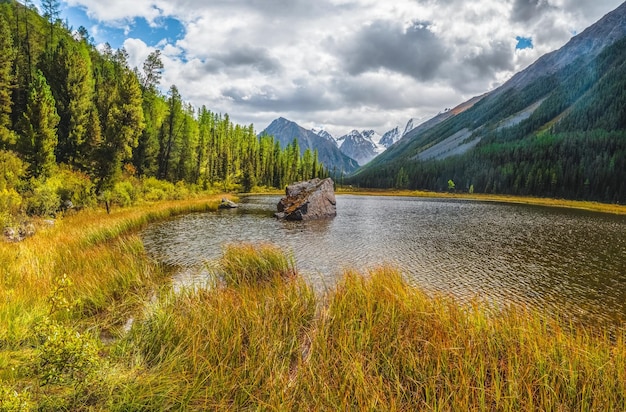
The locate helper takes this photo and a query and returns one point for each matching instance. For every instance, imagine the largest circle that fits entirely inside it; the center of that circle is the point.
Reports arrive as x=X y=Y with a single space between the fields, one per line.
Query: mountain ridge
x=554 y=129
x=285 y=131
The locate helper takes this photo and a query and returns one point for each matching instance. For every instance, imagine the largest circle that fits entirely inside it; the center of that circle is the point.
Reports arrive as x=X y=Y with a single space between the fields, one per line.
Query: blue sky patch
x=524 y=43
x=169 y=29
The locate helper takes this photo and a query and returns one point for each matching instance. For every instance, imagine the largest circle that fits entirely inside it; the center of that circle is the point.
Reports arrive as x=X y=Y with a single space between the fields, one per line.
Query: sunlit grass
x=527 y=200
x=257 y=337
x=373 y=343
x=381 y=344
x=98 y=251
x=248 y=264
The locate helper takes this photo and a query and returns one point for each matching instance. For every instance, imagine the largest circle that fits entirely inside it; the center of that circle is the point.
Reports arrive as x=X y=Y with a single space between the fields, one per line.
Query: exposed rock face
x=313 y=199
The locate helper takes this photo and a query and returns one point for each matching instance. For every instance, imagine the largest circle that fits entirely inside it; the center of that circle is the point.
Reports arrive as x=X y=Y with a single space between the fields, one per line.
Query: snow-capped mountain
x=285 y=131
x=360 y=145
x=323 y=133
x=410 y=125
x=390 y=137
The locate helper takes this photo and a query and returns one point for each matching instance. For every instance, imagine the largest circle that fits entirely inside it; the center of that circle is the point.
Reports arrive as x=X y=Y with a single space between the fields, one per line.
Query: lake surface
x=559 y=260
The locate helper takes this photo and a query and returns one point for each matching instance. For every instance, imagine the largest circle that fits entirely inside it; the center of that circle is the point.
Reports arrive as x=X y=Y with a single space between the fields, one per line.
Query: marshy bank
x=259 y=337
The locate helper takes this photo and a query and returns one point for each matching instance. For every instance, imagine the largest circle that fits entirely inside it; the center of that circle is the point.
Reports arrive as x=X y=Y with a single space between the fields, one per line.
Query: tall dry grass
x=384 y=345
x=373 y=343
x=98 y=251
x=258 y=338
x=233 y=346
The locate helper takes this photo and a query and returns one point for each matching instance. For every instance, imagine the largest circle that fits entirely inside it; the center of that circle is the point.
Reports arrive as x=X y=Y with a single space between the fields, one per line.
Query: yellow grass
x=527 y=200
x=258 y=337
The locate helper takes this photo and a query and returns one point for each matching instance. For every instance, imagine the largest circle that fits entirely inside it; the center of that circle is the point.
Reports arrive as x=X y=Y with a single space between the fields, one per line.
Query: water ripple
x=556 y=259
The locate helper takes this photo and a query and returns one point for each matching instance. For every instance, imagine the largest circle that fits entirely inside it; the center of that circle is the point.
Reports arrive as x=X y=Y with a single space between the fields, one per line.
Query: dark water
x=560 y=260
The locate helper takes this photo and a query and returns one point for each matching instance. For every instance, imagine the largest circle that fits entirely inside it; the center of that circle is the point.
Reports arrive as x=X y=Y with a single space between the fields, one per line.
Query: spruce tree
x=38 y=129
x=69 y=72
x=7 y=82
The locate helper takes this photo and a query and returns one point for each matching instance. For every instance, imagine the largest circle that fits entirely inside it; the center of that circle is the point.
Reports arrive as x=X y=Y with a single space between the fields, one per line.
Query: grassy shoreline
x=260 y=338
x=526 y=200
x=609 y=208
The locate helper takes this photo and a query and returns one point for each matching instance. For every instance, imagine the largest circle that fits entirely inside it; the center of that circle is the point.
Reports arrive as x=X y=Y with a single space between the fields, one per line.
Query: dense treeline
x=573 y=145
x=77 y=122
x=567 y=165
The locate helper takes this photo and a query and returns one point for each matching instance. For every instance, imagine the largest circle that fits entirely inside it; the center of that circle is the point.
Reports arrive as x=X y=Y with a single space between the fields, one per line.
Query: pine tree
x=170 y=133
x=7 y=83
x=51 y=10
x=38 y=133
x=118 y=97
x=69 y=72
x=152 y=70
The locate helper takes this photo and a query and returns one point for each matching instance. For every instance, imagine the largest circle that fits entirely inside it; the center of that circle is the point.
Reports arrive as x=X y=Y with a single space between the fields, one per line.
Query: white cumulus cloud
x=344 y=64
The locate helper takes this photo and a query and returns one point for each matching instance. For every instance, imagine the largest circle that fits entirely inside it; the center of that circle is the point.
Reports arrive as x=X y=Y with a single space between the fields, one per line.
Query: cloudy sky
x=336 y=64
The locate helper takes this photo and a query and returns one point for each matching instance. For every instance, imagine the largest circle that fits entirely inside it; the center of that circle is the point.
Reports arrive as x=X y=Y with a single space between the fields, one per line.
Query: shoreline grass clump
x=112 y=279
x=233 y=346
x=381 y=344
x=249 y=264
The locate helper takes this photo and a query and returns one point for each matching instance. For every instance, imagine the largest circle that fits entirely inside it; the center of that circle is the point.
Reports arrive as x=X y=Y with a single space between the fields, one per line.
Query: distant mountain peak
x=323 y=133
x=359 y=145
x=285 y=131
x=410 y=125
x=390 y=137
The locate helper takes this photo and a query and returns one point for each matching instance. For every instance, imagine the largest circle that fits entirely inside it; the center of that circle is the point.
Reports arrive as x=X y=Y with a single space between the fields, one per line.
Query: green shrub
x=12 y=170
x=11 y=174
x=66 y=188
x=44 y=199
x=124 y=193
x=75 y=187
x=10 y=201
x=65 y=355
x=181 y=191
x=154 y=189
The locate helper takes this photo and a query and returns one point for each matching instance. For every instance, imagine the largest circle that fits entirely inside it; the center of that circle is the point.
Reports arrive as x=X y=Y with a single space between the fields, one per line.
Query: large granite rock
x=313 y=199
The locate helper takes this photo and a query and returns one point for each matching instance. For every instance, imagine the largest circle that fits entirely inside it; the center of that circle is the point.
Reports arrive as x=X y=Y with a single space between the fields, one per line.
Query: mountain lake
x=562 y=261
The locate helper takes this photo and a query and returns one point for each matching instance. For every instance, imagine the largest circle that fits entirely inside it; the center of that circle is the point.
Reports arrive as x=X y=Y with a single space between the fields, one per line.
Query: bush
x=12 y=170
x=10 y=201
x=66 y=188
x=63 y=354
x=44 y=200
x=76 y=187
x=11 y=173
x=154 y=189
x=124 y=193
x=181 y=191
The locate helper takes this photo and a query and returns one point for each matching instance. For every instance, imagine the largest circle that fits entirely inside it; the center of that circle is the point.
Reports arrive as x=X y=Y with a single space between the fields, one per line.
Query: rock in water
x=227 y=204
x=313 y=199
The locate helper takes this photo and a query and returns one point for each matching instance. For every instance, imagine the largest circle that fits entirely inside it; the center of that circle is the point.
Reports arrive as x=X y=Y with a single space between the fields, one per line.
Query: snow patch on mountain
x=390 y=137
x=323 y=133
x=410 y=125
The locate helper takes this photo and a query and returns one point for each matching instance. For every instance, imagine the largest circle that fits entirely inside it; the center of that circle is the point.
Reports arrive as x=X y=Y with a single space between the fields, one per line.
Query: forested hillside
x=78 y=124
x=561 y=134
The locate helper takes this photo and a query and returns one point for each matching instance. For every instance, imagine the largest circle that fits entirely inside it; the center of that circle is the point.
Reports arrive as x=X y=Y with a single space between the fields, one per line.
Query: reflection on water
x=557 y=259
